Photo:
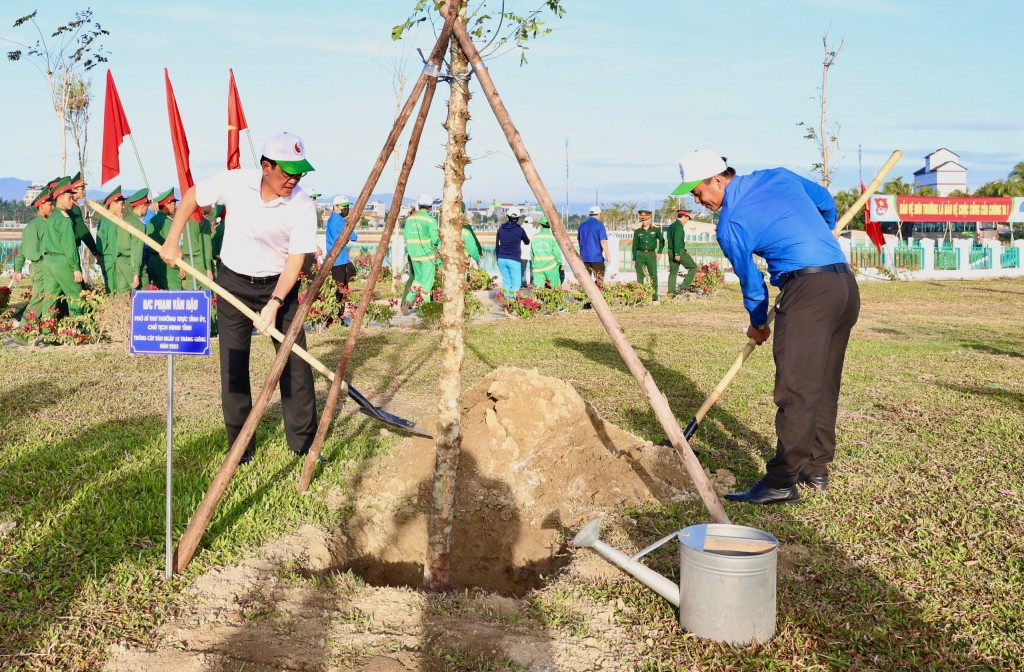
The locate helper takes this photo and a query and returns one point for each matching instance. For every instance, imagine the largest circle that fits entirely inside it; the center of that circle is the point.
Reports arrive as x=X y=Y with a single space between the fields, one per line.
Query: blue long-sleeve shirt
x=335 y=225
x=783 y=218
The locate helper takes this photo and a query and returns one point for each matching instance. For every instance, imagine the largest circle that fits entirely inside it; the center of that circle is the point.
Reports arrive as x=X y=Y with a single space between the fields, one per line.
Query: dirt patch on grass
x=536 y=460
x=537 y=463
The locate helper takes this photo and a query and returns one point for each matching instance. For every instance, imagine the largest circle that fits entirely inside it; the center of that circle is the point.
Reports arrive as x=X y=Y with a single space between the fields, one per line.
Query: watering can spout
x=589 y=537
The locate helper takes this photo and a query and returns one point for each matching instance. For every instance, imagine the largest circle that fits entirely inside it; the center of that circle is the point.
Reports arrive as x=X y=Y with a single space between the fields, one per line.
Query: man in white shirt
x=273 y=228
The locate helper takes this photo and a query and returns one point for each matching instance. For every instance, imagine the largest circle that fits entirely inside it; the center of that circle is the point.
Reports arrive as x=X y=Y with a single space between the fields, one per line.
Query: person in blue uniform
x=788 y=221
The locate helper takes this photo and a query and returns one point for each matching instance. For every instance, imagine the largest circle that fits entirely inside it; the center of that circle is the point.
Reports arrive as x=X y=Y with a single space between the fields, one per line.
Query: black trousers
x=343 y=274
x=298 y=400
x=813 y=319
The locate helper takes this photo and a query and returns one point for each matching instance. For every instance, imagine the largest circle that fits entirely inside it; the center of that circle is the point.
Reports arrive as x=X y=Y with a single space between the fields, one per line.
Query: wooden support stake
x=378 y=259
x=643 y=377
x=716 y=393
x=204 y=513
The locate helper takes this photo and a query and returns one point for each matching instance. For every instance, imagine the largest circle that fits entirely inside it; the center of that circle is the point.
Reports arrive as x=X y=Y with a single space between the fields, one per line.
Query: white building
x=32 y=192
x=943 y=172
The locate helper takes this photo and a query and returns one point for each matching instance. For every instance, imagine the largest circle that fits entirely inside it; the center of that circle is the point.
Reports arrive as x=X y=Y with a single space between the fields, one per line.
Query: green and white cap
x=696 y=167
x=288 y=150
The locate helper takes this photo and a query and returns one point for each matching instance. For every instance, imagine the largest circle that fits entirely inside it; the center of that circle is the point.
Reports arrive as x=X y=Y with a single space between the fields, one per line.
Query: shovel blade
x=380 y=415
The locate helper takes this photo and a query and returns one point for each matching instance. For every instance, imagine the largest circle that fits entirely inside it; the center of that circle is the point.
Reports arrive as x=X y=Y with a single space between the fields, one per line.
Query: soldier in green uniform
x=215 y=221
x=648 y=243
x=162 y=275
x=421 y=240
x=677 y=254
x=63 y=267
x=32 y=250
x=197 y=250
x=546 y=257
x=129 y=248
x=82 y=234
x=106 y=238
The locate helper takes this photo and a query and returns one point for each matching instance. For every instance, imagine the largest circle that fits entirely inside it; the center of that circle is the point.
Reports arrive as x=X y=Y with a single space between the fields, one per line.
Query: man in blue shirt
x=593 y=240
x=343 y=271
x=788 y=221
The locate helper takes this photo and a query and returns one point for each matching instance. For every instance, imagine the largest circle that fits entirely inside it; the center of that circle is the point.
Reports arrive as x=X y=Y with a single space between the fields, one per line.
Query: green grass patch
x=913 y=560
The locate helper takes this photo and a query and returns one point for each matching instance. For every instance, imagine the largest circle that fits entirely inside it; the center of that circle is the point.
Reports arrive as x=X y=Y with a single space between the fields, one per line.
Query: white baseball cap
x=512 y=212
x=529 y=220
x=696 y=167
x=289 y=152
x=340 y=200
x=425 y=199
x=595 y=210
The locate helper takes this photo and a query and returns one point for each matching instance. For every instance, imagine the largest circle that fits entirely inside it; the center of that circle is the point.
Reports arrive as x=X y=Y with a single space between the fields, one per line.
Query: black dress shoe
x=246 y=458
x=816 y=481
x=760 y=493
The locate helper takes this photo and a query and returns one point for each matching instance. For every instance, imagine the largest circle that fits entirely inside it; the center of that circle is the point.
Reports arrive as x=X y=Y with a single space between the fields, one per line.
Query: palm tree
x=897 y=187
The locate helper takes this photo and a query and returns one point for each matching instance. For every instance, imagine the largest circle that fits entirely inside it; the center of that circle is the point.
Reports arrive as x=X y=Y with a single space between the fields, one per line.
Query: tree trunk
x=448 y=444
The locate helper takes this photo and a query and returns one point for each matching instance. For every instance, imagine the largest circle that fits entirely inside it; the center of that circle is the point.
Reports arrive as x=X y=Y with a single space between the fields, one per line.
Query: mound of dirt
x=537 y=460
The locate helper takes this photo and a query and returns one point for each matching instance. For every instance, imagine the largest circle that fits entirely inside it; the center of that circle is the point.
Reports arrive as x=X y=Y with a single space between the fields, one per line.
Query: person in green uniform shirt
x=63 y=267
x=106 y=237
x=677 y=254
x=546 y=257
x=215 y=222
x=197 y=250
x=648 y=243
x=421 y=240
x=31 y=250
x=469 y=240
x=162 y=275
x=129 y=248
x=82 y=233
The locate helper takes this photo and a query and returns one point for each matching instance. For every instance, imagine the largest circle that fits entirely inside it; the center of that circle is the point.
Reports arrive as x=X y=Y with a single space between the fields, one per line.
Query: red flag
x=236 y=122
x=873 y=229
x=115 y=127
x=180 y=144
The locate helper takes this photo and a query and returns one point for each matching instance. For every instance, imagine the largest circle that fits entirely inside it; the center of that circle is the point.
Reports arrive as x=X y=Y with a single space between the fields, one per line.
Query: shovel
x=365 y=406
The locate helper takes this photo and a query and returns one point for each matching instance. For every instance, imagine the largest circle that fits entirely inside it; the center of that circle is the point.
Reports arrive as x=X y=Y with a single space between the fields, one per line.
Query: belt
x=831 y=268
x=650 y=250
x=253 y=279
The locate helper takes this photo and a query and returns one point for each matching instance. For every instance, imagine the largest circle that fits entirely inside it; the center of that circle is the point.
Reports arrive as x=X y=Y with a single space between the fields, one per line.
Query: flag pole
x=139 y=160
x=255 y=160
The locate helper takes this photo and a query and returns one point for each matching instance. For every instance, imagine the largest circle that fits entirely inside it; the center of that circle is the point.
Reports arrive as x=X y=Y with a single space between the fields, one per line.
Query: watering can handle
x=655 y=545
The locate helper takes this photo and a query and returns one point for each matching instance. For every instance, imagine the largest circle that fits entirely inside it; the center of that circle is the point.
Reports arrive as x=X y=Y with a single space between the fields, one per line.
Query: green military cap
x=49 y=185
x=43 y=196
x=140 y=196
x=113 y=196
x=77 y=179
x=165 y=197
x=643 y=212
x=61 y=186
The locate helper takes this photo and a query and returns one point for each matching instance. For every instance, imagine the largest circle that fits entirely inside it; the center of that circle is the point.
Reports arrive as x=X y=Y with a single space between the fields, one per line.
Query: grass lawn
x=913 y=560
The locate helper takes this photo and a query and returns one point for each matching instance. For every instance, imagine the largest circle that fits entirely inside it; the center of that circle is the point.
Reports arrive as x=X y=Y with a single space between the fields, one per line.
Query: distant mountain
x=13 y=189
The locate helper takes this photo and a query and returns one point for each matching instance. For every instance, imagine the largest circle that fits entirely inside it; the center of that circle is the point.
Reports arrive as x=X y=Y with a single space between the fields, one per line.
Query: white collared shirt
x=259 y=236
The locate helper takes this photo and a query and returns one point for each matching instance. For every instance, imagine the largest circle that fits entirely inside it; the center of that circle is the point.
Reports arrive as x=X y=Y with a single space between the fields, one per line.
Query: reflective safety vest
x=421 y=237
x=546 y=254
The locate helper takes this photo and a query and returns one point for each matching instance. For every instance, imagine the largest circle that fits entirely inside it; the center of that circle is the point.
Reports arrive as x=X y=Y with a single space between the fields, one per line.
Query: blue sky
x=631 y=87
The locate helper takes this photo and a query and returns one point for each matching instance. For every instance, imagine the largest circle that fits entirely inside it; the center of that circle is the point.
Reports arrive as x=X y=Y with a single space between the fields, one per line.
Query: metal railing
x=1010 y=257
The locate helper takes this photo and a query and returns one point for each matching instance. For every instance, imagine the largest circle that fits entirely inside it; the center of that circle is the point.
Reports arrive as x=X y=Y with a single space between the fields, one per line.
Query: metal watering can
x=726 y=588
